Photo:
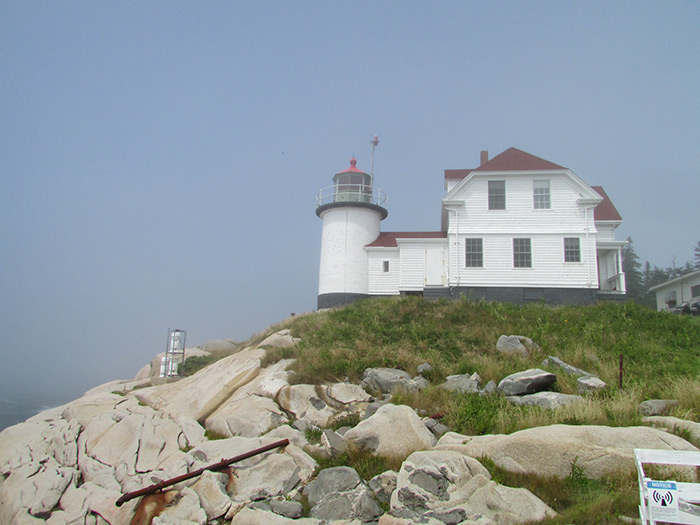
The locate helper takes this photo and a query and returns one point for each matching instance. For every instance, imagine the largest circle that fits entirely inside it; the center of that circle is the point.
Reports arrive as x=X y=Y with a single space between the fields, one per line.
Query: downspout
x=456 y=246
x=588 y=249
x=453 y=269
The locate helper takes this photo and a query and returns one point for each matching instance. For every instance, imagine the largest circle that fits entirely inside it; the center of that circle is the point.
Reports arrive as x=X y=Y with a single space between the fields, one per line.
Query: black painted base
x=551 y=296
x=332 y=300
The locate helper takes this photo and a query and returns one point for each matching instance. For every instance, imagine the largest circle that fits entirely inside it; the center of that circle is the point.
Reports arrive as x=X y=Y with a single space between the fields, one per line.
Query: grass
x=661 y=359
x=365 y=463
x=577 y=499
x=659 y=350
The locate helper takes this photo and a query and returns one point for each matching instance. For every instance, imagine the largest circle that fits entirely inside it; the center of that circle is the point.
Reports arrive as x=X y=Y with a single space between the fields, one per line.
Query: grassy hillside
x=661 y=356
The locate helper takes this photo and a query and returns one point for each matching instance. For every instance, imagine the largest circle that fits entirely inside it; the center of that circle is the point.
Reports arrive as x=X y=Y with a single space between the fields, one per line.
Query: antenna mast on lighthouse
x=374 y=143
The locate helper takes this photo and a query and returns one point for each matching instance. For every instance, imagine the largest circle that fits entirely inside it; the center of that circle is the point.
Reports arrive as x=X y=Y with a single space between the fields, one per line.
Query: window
x=670 y=299
x=474 y=253
x=522 y=253
x=385 y=266
x=572 y=249
x=497 y=195
x=695 y=291
x=541 y=195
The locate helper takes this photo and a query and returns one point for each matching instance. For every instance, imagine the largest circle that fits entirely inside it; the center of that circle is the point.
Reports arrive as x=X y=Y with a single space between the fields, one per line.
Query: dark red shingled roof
x=457 y=174
x=388 y=239
x=605 y=211
x=514 y=159
x=511 y=159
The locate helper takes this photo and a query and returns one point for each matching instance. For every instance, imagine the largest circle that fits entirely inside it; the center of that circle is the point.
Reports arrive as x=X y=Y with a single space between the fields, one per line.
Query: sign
x=663 y=500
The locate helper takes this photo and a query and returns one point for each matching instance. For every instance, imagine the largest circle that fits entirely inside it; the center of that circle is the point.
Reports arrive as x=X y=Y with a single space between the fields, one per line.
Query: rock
x=516 y=344
x=423 y=368
x=186 y=509
x=35 y=487
x=461 y=383
x=331 y=480
x=281 y=339
x=437 y=428
x=217 y=346
x=339 y=494
x=675 y=424
x=248 y=516
x=288 y=509
x=305 y=401
x=199 y=395
x=333 y=443
x=451 y=488
x=24 y=443
x=374 y=406
x=383 y=485
x=551 y=450
x=490 y=388
x=545 y=399
x=267 y=383
x=656 y=407
x=386 y=380
x=555 y=362
x=251 y=416
x=527 y=382
x=590 y=384
x=211 y=490
x=393 y=431
x=347 y=394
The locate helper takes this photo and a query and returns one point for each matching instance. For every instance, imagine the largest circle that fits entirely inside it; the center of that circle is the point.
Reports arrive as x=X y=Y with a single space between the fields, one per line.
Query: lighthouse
x=351 y=211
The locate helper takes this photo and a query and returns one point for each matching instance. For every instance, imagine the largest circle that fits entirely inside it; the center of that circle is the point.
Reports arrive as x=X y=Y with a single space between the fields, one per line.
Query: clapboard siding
x=412 y=268
x=520 y=217
x=381 y=282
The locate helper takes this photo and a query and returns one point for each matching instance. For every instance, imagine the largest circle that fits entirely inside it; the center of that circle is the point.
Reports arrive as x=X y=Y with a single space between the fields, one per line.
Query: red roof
x=511 y=159
x=605 y=211
x=388 y=239
x=457 y=174
x=353 y=168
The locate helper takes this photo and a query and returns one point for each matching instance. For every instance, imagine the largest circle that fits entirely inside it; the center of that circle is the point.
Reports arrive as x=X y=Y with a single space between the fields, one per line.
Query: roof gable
x=514 y=159
x=511 y=159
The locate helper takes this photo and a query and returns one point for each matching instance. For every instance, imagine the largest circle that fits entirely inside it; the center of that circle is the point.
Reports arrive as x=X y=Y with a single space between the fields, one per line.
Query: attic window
x=497 y=195
x=541 y=195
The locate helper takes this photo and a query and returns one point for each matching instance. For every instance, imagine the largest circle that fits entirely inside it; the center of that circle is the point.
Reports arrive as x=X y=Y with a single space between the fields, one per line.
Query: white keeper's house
x=517 y=228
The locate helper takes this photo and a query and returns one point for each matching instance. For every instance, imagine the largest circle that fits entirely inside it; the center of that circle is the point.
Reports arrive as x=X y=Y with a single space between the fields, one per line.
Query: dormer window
x=541 y=195
x=497 y=195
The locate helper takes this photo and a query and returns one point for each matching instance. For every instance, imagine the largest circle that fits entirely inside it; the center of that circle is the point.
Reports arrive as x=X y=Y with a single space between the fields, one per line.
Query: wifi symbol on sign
x=664 y=498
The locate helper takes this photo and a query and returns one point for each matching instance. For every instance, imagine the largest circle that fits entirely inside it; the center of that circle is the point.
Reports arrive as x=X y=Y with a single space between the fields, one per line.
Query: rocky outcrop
x=657 y=407
x=516 y=344
x=393 y=431
x=545 y=399
x=449 y=487
x=552 y=450
x=526 y=382
x=70 y=464
x=387 y=380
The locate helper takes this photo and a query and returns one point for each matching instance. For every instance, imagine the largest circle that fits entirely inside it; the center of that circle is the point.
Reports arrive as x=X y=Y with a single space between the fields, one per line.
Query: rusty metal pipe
x=216 y=466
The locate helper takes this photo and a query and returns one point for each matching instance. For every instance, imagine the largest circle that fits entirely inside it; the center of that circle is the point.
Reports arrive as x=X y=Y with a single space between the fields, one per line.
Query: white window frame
x=541 y=195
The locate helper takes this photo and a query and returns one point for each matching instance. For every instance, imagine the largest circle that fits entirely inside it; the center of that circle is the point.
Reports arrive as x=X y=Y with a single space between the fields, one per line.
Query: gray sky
x=160 y=160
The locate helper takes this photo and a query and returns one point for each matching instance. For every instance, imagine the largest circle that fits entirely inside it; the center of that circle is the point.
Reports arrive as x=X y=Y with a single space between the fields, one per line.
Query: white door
x=434 y=267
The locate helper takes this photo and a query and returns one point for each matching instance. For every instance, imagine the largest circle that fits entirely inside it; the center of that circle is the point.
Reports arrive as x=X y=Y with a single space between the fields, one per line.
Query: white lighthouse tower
x=351 y=211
